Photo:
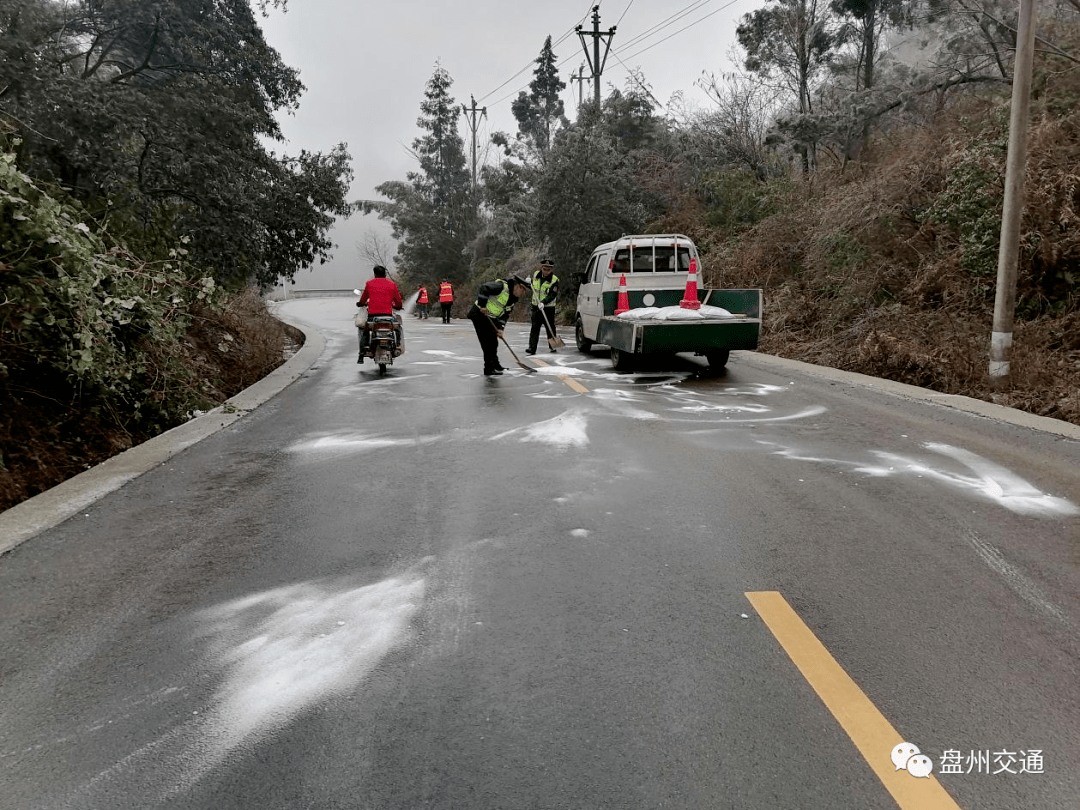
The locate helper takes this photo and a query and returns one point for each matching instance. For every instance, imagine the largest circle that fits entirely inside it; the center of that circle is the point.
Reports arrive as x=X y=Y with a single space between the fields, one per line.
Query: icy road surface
x=436 y=589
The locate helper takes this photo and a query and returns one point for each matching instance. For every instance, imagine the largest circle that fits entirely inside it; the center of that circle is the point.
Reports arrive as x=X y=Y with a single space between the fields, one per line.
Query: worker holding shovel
x=489 y=315
x=545 y=290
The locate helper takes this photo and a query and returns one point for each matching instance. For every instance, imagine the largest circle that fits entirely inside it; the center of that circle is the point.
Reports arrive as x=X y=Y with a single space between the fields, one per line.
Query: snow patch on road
x=280 y=652
x=986 y=479
x=283 y=650
x=559 y=370
x=355 y=443
x=989 y=480
x=565 y=430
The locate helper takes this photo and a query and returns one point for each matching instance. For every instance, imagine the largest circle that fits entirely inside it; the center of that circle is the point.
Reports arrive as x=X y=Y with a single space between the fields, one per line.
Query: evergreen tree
x=865 y=22
x=434 y=214
x=152 y=115
x=541 y=111
x=441 y=151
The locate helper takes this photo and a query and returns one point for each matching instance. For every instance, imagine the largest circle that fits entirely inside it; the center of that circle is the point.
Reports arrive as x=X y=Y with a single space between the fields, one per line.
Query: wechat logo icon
x=907 y=757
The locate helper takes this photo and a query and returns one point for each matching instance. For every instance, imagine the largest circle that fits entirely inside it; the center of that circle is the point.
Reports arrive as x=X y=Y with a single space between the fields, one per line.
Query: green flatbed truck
x=655 y=269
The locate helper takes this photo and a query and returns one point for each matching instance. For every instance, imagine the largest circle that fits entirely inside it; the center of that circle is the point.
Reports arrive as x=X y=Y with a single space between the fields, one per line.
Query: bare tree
x=733 y=132
x=376 y=248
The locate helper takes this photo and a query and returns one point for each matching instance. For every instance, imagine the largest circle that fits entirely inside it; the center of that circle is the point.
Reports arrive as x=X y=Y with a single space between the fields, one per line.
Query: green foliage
x=586 y=195
x=152 y=115
x=842 y=252
x=76 y=302
x=541 y=111
x=789 y=40
x=864 y=23
x=970 y=205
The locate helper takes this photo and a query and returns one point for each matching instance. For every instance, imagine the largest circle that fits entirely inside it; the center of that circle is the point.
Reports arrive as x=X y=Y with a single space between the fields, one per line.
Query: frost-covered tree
x=540 y=112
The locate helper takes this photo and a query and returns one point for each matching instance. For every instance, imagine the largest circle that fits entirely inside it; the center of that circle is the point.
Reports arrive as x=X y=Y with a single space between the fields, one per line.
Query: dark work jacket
x=492 y=289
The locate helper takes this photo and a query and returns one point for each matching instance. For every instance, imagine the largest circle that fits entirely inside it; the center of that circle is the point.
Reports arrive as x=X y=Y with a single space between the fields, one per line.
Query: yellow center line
x=872 y=734
x=574 y=384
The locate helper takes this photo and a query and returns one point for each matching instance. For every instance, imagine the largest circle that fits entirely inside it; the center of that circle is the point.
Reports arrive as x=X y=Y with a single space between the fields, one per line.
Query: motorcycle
x=382 y=338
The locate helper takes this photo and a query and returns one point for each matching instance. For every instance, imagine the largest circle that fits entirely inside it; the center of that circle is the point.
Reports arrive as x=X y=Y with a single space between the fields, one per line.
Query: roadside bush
x=99 y=350
x=97 y=316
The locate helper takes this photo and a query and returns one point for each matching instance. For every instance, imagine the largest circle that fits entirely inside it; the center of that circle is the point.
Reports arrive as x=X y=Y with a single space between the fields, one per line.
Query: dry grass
x=856 y=276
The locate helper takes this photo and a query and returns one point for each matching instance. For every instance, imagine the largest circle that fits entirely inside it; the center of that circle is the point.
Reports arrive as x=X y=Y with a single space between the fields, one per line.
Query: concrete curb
x=26 y=519
x=968 y=404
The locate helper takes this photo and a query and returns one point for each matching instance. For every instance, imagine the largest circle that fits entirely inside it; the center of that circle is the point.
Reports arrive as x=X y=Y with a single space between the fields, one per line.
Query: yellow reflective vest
x=496 y=304
x=540 y=288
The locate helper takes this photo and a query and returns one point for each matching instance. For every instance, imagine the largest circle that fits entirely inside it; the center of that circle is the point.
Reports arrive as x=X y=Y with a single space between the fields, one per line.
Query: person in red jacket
x=381 y=296
x=422 y=302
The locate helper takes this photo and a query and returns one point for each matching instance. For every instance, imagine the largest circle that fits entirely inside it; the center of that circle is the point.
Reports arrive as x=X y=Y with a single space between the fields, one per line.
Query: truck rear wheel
x=620 y=360
x=583 y=343
x=718 y=358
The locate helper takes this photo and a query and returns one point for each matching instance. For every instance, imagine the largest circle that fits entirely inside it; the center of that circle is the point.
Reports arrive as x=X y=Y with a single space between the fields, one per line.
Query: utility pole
x=1015 y=163
x=579 y=77
x=596 y=64
x=472 y=126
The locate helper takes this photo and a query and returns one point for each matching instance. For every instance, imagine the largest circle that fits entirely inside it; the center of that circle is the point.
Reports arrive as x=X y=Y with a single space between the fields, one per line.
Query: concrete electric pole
x=596 y=64
x=579 y=77
x=472 y=126
x=1009 y=246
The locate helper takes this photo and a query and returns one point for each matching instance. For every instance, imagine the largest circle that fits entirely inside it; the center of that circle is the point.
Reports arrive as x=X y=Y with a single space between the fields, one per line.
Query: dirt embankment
x=51 y=431
x=887 y=267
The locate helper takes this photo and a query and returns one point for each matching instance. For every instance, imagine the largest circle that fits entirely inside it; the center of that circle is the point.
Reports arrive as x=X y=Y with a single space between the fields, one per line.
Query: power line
x=628 y=45
x=596 y=64
x=558 y=64
x=554 y=45
x=664 y=23
x=676 y=33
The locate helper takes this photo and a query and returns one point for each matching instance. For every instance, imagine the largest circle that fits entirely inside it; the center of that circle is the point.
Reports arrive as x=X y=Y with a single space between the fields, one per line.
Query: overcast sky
x=365 y=65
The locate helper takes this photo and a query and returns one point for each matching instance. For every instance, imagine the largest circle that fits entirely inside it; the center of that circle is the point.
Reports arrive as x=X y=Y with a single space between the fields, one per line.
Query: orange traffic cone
x=623 y=304
x=690 y=300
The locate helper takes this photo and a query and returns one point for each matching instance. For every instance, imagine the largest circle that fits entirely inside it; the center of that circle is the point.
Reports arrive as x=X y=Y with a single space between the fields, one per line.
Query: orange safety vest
x=446 y=292
x=423 y=296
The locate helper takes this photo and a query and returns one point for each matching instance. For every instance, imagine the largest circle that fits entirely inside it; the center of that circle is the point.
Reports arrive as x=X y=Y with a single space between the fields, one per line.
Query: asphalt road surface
x=569 y=589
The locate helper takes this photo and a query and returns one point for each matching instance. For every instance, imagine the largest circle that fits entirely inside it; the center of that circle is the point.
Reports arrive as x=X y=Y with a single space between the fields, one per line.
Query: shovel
x=529 y=369
x=553 y=341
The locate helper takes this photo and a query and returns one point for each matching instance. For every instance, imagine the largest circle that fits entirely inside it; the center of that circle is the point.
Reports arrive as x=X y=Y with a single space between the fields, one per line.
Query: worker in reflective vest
x=446 y=299
x=545 y=290
x=489 y=314
x=422 y=302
